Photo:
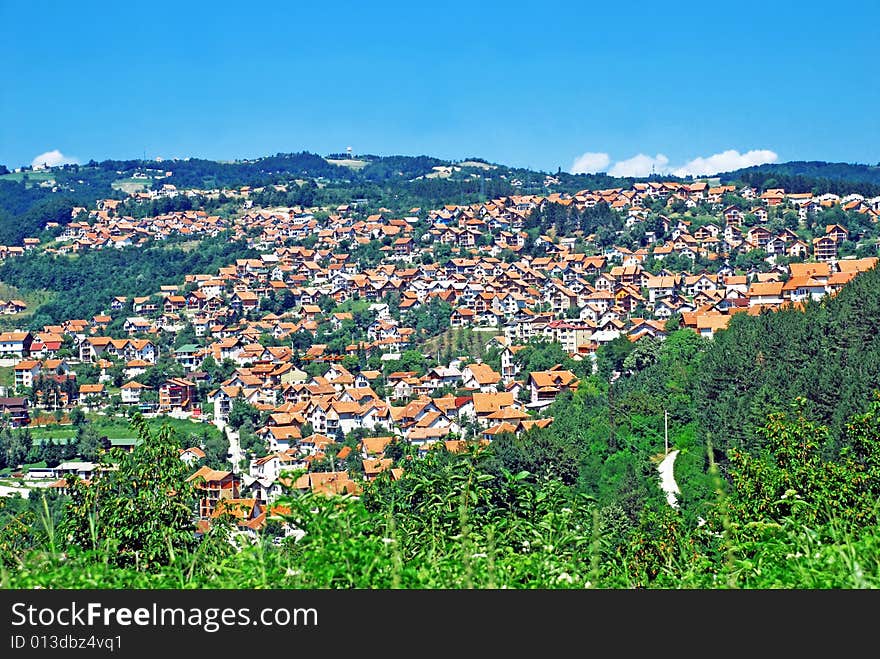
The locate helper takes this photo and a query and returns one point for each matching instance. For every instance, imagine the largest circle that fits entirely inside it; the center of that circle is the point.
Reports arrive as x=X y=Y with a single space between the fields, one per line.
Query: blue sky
x=613 y=86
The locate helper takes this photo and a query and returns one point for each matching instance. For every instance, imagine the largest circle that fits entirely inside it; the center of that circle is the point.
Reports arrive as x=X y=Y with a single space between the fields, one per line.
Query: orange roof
x=766 y=288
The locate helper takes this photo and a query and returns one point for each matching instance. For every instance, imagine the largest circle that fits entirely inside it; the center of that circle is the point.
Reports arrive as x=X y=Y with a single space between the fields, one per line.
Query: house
x=375 y=466
x=544 y=386
x=213 y=486
x=15 y=345
x=327 y=483
x=370 y=447
x=130 y=392
x=177 y=394
x=282 y=438
x=837 y=232
x=480 y=376
x=709 y=324
x=486 y=404
x=764 y=293
x=90 y=394
x=824 y=248
x=78 y=468
x=441 y=376
x=188 y=356
x=222 y=399
x=15 y=410
x=247 y=515
x=191 y=455
x=26 y=371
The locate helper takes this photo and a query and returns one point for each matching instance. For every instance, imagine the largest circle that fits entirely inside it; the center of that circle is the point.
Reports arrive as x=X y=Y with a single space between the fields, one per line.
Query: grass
x=474 y=163
x=114 y=427
x=351 y=164
x=464 y=341
x=7 y=377
x=119 y=428
x=33 y=177
x=343 y=550
x=130 y=185
x=187 y=246
x=447 y=542
x=33 y=300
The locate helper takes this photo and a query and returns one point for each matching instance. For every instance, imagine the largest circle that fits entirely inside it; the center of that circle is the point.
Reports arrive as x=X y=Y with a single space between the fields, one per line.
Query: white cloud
x=53 y=159
x=643 y=165
x=726 y=161
x=590 y=163
x=640 y=165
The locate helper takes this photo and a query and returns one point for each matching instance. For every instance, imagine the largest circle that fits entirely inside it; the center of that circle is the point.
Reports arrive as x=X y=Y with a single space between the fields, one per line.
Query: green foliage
x=241 y=412
x=829 y=354
x=790 y=478
x=216 y=448
x=91 y=279
x=541 y=355
x=138 y=510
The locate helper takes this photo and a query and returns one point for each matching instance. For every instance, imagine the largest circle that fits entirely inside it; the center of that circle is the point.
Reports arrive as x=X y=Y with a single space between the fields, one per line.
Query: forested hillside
x=88 y=282
x=829 y=353
x=802 y=176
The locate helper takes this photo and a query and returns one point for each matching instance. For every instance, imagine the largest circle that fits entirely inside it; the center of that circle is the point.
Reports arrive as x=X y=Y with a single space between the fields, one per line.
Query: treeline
x=399 y=167
x=811 y=176
x=566 y=220
x=24 y=211
x=87 y=282
x=162 y=205
x=829 y=353
x=209 y=174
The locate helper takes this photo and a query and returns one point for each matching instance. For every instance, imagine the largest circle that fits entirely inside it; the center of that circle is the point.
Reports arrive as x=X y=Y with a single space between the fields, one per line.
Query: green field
x=33 y=299
x=33 y=177
x=352 y=164
x=7 y=377
x=118 y=428
x=130 y=185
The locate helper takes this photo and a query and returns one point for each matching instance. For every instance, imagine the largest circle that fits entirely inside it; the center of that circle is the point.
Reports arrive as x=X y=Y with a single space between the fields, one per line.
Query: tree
x=14 y=446
x=89 y=444
x=77 y=416
x=645 y=352
x=140 y=513
x=216 y=448
x=790 y=478
x=610 y=356
x=541 y=453
x=242 y=411
x=673 y=323
x=251 y=442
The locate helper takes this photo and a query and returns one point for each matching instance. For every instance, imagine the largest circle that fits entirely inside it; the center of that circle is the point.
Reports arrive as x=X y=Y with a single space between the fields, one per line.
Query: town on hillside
x=357 y=331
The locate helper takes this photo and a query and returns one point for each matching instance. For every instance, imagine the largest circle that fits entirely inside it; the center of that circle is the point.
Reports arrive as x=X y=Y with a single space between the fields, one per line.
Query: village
x=324 y=345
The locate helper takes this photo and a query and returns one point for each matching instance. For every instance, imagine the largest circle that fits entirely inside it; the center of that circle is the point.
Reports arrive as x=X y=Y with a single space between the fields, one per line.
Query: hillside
x=30 y=199
x=836 y=171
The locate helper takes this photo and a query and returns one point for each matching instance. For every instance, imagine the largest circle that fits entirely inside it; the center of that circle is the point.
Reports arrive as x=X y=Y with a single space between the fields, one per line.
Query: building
x=15 y=345
x=545 y=386
x=131 y=392
x=213 y=486
x=15 y=410
x=177 y=394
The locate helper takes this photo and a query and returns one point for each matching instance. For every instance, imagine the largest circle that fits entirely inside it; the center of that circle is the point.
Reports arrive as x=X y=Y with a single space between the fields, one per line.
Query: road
x=667 y=478
x=235 y=452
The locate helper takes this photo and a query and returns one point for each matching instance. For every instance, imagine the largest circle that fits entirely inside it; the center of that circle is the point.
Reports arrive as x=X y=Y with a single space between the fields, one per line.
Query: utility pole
x=666 y=431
